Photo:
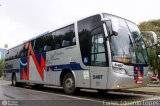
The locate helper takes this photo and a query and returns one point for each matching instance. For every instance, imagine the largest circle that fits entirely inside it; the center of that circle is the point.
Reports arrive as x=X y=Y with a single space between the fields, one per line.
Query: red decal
x=138 y=71
x=25 y=75
x=40 y=67
x=139 y=76
x=43 y=63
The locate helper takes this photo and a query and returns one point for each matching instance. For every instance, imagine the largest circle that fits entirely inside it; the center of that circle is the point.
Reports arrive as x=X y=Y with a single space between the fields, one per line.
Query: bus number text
x=97 y=76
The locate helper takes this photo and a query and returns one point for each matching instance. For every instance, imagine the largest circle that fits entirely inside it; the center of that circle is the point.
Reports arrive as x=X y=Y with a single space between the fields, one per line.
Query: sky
x=21 y=20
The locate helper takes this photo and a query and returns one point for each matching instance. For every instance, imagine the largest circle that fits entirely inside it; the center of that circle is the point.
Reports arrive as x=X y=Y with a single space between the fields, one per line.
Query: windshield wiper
x=131 y=43
x=142 y=53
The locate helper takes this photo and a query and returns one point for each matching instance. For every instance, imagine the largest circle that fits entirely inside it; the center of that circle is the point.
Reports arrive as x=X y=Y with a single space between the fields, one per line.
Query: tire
x=14 y=80
x=69 y=84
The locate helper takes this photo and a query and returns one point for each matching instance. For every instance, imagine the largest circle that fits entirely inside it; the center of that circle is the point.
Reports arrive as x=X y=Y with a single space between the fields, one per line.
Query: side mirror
x=150 y=38
x=114 y=26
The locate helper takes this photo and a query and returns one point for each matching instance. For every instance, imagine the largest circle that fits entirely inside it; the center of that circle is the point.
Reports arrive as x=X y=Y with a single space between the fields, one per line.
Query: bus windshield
x=128 y=47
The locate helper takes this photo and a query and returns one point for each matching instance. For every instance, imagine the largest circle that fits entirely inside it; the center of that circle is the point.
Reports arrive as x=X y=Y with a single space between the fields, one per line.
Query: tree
x=1 y=67
x=153 y=25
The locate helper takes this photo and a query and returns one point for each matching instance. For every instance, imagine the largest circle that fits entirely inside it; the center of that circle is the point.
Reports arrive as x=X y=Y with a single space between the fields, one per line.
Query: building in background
x=2 y=53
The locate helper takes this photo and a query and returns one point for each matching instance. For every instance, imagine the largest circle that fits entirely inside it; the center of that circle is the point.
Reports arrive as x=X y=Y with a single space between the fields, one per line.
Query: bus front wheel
x=69 y=84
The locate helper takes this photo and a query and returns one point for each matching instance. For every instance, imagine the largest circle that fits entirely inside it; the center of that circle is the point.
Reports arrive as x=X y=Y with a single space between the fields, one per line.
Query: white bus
x=102 y=52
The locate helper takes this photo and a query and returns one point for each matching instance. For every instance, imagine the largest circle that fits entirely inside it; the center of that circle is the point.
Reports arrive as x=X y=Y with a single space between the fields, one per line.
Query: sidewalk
x=154 y=84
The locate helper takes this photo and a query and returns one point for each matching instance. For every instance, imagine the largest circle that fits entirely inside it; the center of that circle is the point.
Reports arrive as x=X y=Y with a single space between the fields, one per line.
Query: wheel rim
x=69 y=83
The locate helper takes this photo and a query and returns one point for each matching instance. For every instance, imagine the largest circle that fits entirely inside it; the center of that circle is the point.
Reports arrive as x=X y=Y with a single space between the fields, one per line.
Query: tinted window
x=19 y=48
x=43 y=43
x=58 y=39
x=98 y=56
x=48 y=42
x=13 y=53
x=40 y=42
x=23 y=51
x=85 y=30
x=64 y=37
x=68 y=37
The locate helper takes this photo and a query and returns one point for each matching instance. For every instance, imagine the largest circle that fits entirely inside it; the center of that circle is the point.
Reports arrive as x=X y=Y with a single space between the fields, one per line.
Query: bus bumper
x=124 y=81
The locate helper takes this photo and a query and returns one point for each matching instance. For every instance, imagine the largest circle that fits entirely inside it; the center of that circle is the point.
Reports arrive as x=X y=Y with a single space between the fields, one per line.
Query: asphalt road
x=50 y=96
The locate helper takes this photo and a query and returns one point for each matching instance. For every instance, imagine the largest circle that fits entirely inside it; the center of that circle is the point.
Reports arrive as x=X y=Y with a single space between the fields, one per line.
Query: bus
x=101 y=52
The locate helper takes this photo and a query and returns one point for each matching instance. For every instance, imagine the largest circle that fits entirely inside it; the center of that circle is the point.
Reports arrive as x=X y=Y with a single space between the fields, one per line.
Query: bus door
x=98 y=63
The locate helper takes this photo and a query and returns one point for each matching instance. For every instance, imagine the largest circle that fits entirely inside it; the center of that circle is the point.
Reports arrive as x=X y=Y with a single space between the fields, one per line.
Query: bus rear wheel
x=69 y=84
x=14 y=80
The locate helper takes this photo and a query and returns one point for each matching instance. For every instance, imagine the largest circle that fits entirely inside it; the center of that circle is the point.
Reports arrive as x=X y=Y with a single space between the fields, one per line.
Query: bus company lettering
x=8 y=66
x=54 y=57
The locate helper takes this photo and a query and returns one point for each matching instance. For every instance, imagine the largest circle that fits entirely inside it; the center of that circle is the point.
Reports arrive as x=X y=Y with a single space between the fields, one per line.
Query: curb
x=153 y=86
x=142 y=92
x=155 y=82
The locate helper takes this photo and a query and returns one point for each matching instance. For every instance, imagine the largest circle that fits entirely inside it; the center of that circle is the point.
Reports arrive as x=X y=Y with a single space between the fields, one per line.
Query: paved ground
x=50 y=96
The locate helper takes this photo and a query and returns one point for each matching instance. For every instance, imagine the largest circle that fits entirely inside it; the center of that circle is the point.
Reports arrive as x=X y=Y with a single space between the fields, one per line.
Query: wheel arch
x=64 y=72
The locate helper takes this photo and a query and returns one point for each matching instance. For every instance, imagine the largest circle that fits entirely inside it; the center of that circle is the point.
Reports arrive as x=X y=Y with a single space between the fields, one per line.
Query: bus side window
x=37 y=46
x=9 y=54
x=85 y=28
x=74 y=41
x=58 y=41
x=65 y=43
x=48 y=42
x=68 y=34
x=68 y=39
x=63 y=37
x=53 y=34
x=47 y=48
x=98 y=56
x=22 y=51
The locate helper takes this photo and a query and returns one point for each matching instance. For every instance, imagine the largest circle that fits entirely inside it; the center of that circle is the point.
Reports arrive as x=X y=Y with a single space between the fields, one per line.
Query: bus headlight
x=119 y=70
